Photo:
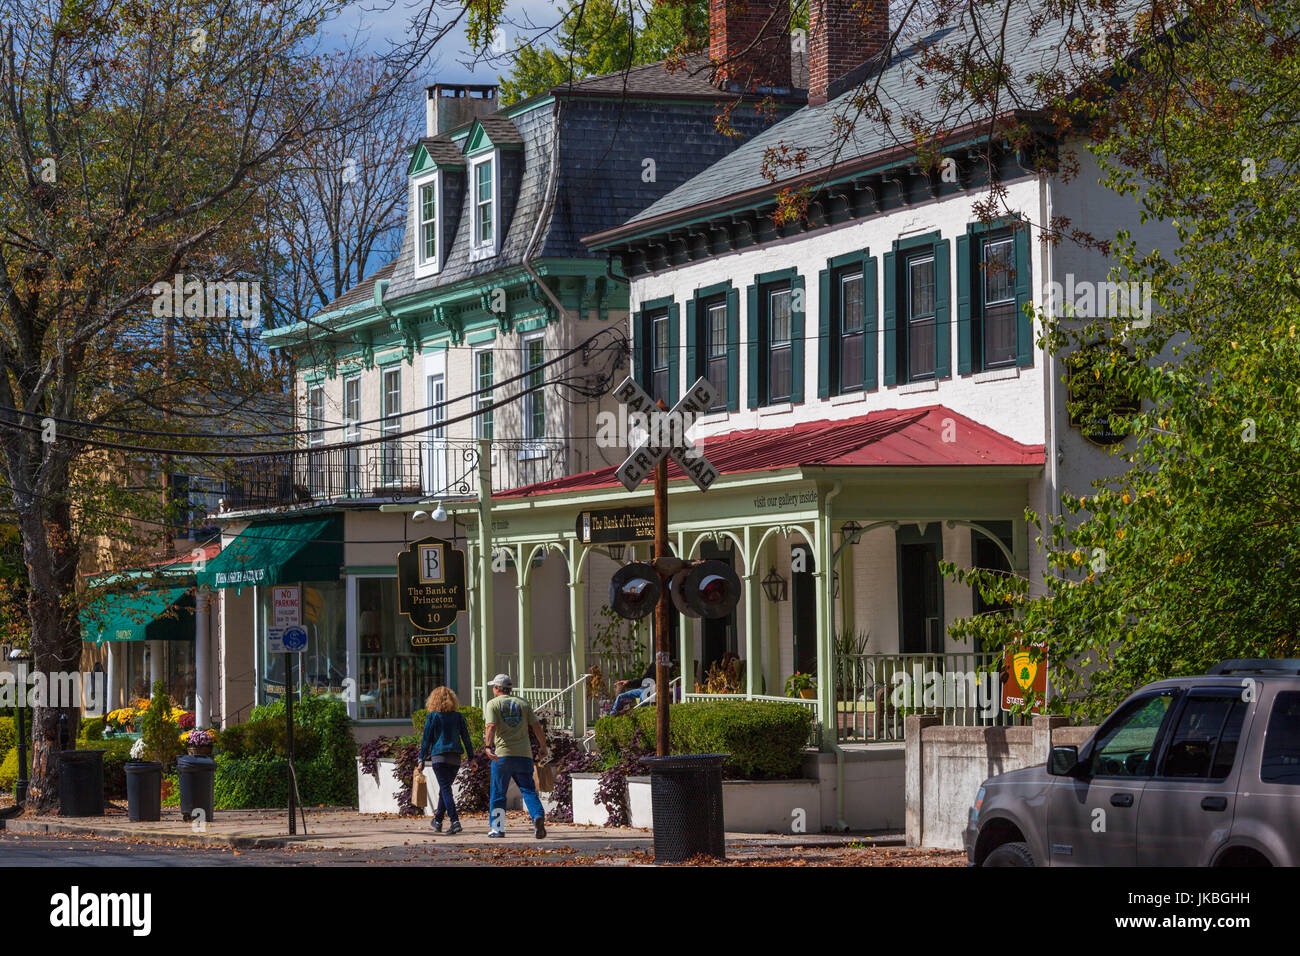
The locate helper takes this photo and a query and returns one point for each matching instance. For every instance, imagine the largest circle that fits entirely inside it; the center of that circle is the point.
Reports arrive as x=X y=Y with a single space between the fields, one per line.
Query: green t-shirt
x=512 y=717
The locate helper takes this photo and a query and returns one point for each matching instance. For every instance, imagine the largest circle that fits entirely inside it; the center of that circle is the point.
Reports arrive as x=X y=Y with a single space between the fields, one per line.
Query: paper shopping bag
x=544 y=777
x=419 y=789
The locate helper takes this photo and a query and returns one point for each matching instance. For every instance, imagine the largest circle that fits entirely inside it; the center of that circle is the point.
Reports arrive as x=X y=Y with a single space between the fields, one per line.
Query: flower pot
x=199 y=750
x=143 y=790
x=808 y=693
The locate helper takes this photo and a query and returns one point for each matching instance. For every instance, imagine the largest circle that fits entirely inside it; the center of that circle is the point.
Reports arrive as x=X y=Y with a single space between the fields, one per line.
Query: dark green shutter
x=964 y=292
x=942 y=311
x=693 y=363
x=674 y=347
x=733 y=350
x=824 y=334
x=891 y=331
x=638 y=348
x=869 y=323
x=1024 y=322
x=751 y=345
x=797 y=326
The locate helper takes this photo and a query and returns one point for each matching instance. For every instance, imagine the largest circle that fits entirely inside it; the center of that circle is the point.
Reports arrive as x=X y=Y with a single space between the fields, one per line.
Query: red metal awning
x=915 y=437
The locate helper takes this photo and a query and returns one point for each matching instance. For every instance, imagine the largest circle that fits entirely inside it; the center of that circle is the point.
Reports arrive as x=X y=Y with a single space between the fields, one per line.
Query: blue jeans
x=631 y=697
x=445 y=774
x=519 y=769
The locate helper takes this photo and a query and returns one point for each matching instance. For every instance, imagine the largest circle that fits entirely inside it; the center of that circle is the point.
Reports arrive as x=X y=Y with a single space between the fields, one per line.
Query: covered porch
x=835 y=530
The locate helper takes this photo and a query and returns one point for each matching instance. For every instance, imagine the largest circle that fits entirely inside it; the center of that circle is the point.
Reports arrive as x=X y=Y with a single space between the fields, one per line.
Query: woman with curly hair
x=445 y=731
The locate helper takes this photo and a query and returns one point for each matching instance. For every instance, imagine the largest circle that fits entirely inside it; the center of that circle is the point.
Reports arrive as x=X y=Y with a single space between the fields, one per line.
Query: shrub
x=92 y=728
x=765 y=740
x=8 y=735
x=159 y=730
x=116 y=754
x=473 y=719
x=9 y=769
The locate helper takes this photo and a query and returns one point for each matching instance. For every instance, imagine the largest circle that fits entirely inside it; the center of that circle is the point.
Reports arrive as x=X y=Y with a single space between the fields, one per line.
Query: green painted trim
x=314 y=377
x=663 y=302
x=383 y=361
x=441 y=345
x=478 y=338
x=776 y=275
x=527 y=106
x=848 y=259
x=709 y=291
x=368 y=569
x=530 y=325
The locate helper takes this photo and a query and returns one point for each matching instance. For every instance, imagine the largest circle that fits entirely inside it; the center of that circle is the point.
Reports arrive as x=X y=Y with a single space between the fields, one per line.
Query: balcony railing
x=394 y=470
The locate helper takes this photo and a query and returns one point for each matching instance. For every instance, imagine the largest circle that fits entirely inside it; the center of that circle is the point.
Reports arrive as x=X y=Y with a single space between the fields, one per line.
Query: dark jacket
x=444 y=734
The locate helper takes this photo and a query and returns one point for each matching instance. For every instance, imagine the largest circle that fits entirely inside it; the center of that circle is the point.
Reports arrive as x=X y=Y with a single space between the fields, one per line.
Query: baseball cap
x=501 y=680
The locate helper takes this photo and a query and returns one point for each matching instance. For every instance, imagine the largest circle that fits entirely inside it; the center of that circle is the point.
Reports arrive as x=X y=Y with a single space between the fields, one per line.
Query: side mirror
x=1063 y=761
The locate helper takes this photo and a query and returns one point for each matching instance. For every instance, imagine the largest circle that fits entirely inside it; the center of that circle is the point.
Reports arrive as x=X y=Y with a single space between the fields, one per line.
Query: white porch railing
x=874 y=693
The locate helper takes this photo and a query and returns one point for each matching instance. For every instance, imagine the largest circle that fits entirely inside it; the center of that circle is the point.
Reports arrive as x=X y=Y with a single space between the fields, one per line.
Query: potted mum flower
x=199 y=742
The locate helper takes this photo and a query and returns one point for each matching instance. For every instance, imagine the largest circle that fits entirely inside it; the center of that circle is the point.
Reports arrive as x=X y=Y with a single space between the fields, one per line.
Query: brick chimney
x=749 y=44
x=842 y=35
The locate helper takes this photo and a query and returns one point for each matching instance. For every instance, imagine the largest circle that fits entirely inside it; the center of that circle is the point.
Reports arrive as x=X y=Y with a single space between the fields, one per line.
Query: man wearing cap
x=509 y=719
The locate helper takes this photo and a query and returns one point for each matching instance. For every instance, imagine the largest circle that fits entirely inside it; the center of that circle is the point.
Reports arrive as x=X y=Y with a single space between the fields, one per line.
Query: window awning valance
x=165 y=614
x=270 y=552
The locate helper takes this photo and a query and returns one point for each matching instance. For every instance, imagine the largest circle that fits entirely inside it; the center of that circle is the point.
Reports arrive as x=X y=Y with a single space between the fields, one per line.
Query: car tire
x=1010 y=854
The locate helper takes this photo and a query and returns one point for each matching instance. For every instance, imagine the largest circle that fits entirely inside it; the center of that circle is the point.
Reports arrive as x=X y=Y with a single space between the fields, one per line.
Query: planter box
x=748 y=806
x=380 y=796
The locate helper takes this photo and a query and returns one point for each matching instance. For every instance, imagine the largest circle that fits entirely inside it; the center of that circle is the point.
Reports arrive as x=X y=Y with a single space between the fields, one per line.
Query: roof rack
x=1258 y=665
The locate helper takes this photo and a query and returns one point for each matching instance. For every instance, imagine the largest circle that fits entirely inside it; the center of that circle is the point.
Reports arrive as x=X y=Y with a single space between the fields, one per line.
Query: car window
x=1281 y=763
x=1124 y=747
x=1204 y=743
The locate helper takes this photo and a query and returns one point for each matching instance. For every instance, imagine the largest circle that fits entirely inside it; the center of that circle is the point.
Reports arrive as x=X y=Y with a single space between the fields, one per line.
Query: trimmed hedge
x=765 y=739
x=9 y=769
x=8 y=736
x=473 y=719
x=92 y=728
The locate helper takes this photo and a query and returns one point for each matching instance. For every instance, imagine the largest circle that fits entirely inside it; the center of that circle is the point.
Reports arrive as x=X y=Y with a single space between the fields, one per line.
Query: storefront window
x=323 y=666
x=178 y=658
x=395 y=678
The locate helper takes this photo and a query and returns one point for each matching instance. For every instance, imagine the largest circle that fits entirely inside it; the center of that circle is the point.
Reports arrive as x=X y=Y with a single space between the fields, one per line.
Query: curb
x=233 y=842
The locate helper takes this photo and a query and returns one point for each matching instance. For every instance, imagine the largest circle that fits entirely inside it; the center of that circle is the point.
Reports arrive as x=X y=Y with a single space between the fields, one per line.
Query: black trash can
x=686 y=802
x=143 y=790
x=198 y=778
x=81 y=783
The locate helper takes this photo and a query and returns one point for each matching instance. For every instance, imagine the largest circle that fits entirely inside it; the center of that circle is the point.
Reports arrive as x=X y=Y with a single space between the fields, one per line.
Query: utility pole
x=662 y=609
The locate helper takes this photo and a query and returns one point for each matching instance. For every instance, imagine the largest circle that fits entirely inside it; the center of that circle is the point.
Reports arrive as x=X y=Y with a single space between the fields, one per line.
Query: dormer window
x=428 y=228
x=484 y=182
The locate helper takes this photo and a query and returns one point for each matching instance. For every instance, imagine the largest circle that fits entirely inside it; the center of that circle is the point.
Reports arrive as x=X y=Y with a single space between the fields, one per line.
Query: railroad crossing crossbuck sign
x=667 y=434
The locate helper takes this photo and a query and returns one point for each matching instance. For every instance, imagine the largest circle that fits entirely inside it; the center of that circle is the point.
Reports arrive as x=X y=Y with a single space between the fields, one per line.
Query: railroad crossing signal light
x=708 y=589
x=634 y=590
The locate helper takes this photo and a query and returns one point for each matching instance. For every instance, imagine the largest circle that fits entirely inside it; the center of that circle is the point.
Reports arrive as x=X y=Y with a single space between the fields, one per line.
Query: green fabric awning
x=270 y=552
x=138 y=616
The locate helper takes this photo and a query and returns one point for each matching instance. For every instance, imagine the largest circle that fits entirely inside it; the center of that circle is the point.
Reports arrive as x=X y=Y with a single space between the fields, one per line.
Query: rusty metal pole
x=662 y=609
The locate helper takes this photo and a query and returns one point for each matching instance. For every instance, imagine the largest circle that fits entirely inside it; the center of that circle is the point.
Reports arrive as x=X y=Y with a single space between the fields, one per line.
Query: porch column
x=825 y=617
x=685 y=637
x=471 y=609
x=578 y=639
x=485 y=562
x=522 y=589
x=753 y=618
x=113 y=678
x=202 y=652
x=155 y=664
x=773 y=625
x=1020 y=545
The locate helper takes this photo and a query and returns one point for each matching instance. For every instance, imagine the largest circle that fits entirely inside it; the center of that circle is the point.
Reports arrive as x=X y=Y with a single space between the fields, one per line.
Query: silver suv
x=1195 y=771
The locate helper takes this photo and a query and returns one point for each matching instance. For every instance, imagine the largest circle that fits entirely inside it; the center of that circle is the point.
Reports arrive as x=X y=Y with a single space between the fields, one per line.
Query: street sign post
x=667 y=438
x=288 y=637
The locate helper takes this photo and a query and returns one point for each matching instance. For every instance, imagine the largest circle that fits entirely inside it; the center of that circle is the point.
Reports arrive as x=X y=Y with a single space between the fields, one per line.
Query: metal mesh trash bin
x=198 y=781
x=686 y=802
x=81 y=783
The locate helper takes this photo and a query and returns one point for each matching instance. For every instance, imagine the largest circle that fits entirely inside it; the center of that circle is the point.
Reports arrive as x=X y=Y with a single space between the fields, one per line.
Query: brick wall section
x=842 y=34
x=749 y=43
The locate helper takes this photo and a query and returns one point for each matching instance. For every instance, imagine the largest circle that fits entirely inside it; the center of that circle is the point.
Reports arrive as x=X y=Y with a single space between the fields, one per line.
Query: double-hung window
x=778 y=325
x=659 y=355
x=483 y=398
x=352 y=433
x=315 y=438
x=391 y=464
x=426 y=213
x=484 y=205
x=997 y=298
x=849 y=330
x=534 y=410
x=715 y=349
x=436 y=399
x=919 y=305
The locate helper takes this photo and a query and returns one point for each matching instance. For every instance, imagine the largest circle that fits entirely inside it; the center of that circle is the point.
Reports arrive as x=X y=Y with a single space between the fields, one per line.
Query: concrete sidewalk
x=346 y=829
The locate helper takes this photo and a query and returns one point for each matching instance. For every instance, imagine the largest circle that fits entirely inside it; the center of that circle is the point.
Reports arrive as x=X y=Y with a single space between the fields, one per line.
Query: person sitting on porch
x=629 y=695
